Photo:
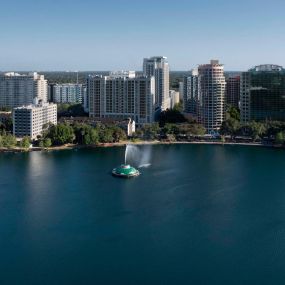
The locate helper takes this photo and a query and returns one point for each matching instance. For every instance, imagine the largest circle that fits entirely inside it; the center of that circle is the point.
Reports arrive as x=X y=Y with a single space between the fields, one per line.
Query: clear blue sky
x=117 y=34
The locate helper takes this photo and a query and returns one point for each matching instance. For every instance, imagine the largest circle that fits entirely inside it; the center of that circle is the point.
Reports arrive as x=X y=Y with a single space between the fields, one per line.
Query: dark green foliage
x=86 y=135
x=70 y=110
x=60 y=134
x=172 y=116
x=178 y=107
x=7 y=125
x=280 y=138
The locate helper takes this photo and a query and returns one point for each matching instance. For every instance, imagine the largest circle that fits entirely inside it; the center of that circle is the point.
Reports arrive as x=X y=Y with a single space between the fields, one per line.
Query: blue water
x=198 y=215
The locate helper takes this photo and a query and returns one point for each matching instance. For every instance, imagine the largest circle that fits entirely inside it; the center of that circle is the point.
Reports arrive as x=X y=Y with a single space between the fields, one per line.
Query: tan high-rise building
x=212 y=95
x=204 y=95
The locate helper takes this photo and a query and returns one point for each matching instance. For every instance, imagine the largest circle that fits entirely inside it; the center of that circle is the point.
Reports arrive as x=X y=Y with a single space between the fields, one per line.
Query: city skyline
x=92 y=35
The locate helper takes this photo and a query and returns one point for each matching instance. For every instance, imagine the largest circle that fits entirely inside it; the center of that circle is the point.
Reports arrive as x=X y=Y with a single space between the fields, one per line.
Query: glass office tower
x=262 y=94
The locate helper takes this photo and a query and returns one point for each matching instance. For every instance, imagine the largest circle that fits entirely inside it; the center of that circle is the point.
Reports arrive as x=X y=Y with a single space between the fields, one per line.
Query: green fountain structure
x=125 y=171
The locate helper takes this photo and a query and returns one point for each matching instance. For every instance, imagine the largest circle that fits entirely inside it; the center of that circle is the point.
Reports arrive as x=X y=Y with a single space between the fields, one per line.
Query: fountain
x=134 y=155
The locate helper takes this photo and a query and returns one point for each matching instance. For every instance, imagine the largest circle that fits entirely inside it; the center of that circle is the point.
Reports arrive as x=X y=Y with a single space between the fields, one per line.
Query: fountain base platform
x=125 y=171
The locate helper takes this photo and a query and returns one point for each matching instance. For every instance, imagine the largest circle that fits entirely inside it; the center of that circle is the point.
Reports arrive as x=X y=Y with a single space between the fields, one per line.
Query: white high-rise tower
x=158 y=67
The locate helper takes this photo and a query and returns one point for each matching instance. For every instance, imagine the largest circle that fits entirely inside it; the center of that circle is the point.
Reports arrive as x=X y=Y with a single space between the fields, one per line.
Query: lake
x=198 y=215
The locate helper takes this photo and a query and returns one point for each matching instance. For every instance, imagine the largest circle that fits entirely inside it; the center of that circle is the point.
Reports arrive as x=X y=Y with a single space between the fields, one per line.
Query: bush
x=25 y=142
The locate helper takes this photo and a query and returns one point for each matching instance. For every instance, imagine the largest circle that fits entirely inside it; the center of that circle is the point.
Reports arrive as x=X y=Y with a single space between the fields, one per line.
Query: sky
x=46 y=35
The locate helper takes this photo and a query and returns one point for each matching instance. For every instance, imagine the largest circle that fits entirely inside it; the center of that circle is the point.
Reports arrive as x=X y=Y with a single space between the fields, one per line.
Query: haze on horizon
x=118 y=34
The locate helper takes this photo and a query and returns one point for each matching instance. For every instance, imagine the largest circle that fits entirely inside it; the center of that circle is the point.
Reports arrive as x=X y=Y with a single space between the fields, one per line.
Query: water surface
x=199 y=215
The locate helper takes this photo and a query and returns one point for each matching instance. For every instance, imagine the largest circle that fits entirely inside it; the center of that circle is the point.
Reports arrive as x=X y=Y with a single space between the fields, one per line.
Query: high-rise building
x=67 y=93
x=212 y=96
x=181 y=92
x=204 y=95
x=191 y=89
x=21 y=89
x=233 y=91
x=121 y=95
x=158 y=67
x=262 y=94
x=29 y=120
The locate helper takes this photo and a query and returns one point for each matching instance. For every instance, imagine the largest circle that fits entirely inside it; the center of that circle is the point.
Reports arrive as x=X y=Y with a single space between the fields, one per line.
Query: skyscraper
x=191 y=89
x=204 y=95
x=121 y=95
x=158 y=67
x=262 y=94
x=233 y=91
x=18 y=89
x=212 y=96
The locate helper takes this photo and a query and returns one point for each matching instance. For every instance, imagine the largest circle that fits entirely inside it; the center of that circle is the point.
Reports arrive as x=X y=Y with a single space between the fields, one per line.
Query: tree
x=47 y=142
x=192 y=129
x=280 y=138
x=256 y=129
x=106 y=135
x=151 y=131
x=60 y=134
x=233 y=113
x=178 y=107
x=119 y=134
x=25 y=142
x=230 y=127
x=9 y=141
x=172 y=116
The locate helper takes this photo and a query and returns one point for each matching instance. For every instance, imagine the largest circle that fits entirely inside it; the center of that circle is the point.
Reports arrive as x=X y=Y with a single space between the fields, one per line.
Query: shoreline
x=120 y=144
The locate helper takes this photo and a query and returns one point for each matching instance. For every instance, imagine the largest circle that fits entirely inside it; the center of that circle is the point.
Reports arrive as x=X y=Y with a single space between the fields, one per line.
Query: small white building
x=174 y=98
x=29 y=120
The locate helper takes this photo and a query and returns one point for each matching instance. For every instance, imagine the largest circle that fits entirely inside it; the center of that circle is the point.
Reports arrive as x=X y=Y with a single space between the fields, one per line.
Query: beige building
x=212 y=95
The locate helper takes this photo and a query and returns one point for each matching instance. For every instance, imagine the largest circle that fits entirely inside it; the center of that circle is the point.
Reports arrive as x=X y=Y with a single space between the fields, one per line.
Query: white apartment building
x=29 y=120
x=158 y=67
x=119 y=97
x=21 y=89
x=66 y=93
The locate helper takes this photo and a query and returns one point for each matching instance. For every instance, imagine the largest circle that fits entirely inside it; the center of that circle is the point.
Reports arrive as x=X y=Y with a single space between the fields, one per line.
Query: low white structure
x=174 y=98
x=29 y=120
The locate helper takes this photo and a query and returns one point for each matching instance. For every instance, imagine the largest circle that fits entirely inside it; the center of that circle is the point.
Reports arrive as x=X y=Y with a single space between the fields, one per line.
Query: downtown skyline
x=91 y=35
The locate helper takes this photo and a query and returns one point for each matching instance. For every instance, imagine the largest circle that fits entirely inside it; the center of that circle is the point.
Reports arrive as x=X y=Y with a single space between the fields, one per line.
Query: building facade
x=29 y=120
x=158 y=67
x=121 y=96
x=191 y=92
x=204 y=95
x=233 y=91
x=212 y=95
x=67 y=93
x=262 y=94
x=22 y=89
x=174 y=97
